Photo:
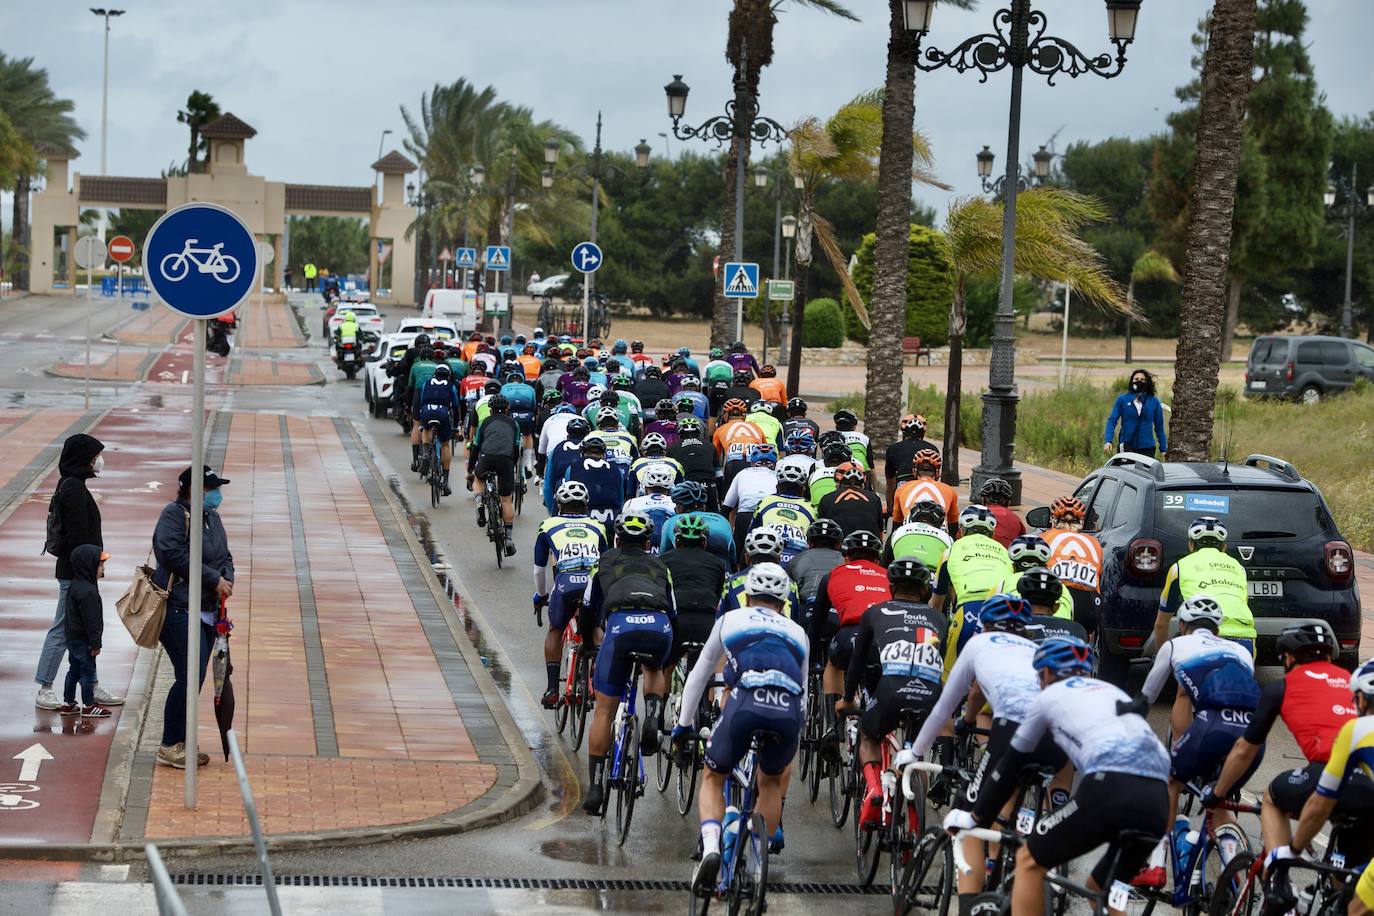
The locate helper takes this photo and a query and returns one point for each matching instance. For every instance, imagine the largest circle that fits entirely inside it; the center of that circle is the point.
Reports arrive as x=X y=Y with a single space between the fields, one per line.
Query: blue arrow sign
x=741 y=280
x=200 y=260
x=586 y=257
x=498 y=257
x=465 y=257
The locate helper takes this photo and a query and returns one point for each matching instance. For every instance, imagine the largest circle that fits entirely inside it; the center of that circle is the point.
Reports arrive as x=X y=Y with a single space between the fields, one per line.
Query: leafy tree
x=334 y=243
x=928 y=285
x=1150 y=267
x=201 y=109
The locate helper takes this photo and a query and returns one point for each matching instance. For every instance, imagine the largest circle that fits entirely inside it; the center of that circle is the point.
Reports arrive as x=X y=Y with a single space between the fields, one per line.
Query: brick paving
x=271 y=325
x=25 y=433
x=154 y=326
x=267 y=370
x=121 y=366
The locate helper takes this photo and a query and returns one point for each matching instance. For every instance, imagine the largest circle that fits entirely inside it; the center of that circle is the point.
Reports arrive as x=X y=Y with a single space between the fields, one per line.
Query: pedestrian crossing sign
x=465 y=258
x=741 y=280
x=498 y=257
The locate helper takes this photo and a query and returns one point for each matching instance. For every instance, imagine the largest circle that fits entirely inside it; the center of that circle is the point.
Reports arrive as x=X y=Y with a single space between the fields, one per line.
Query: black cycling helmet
x=846 y=420
x=743 y=377
x=1040 y=586
x=578 y=428
x=796 y=407
x=995 y=491
x=824 y=531
x=499 y=403
x=421 y=341
x=1306 y=640
x=653 y=372
x=491 y=387
x=861 y=542
x=664 y=409
x=927 y=511
x=737 y=347
x=837 y=452
x=909 y=572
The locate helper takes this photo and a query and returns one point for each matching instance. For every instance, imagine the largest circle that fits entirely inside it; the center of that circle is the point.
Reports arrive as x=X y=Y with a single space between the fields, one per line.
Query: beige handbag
x=143 y=607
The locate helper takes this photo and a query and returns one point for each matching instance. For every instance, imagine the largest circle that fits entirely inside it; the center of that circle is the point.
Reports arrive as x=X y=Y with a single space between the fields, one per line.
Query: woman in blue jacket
x=1140 y=417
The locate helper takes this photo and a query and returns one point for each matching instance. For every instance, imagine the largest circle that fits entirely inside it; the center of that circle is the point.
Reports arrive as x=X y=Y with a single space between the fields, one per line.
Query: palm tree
x=1226 y=75
x=44 y=122
x=201 y=109
x=1048 y=246
x=16 y=158
x=750 y=38
x=1151 y=266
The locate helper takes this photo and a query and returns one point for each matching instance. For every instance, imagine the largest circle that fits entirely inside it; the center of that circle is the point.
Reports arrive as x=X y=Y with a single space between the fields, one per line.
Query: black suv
x=1305 y=368
x=1279 y=527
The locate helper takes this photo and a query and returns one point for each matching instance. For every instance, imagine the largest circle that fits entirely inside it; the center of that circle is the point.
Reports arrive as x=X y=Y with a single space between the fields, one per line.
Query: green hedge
x=824 y=324
x=930 y=288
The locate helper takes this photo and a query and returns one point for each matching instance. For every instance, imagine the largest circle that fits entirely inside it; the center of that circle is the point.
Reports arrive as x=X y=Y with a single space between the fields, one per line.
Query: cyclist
x=769 y=386
x=924 y=484
x=905 y=637
x=654 y=454
x=573 y=385
x=421 y=371
x=847 y=422
x=1053 y=608
x=530 y=362
x=1123 y=771
x=435 y=402
x=810 y=567
x=690 y=498
x=750 y=486
x=595 y=374
x=764 y=659
x=630 y=600
x=739 y=387
x=1076 y=558
x=472 y=387
x=566 y=545
x=697 y=457
x=563 y=455
x=639 y=358
x=520 y=395
x=799 y=449
x=664 y=423
x=717 y=376
x=480 y=409
x=677 y=372
x=922 y=537
x=762 y=545
x=851 y=506
x=685 y=354
x=897 y=458
x=797 y=420
x=973 y=569
x=788 y=512
x=400 y=371
x=733 y=439
x=833 y=454
x=700 y=404
x=1028 y=552
x=742 y=360
x=550 y=372
x=655 y=504
x=630 y=408
x=495 y=448
x=698 y=580
x=761 y=415
x=651 y=388
x=996 y=494
x=620 y=445
x=602 y=478
x=1208 y=568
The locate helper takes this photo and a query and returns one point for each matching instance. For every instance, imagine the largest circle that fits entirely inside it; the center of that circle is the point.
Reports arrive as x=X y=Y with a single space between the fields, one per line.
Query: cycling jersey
x=1009 y=525
x=853 y=510
x=1081 y=714
x=770 y=389
x=720 y=536
x=789 y=516
x=644 y=463
x=471 y=387
x=1212 y=572
x=919 y=541
x=630 y=579
x=521 y=398
x=1076 y=558
x=905 y=638
x=665 y=428
x=532 y=365
x=499 y=436
x=767 y=424
x=620 y=447
x=698 y=461
x=858 y=447
x=574 y=390
x=561 y=457
x=1314 y=701
x=792 y=424
x=554 y=431
x=652 y=390
x=1001 y=664
x=974 y=566
x=657 y=506
x=421 y=371
x=1353 y=752
x=743 y=361
x=458 y=367
x=925 y=488
x=733 y=595
x=605 y=486
x=1216 y=673
x=849 y=589
x=569 y=546
x=733 y=439
x=749 y=487
x=701 y=405
x=698 y=579
x=437 y=392
x=897 y=460
x=486 y=360
x=821 y=483
x=810 y=567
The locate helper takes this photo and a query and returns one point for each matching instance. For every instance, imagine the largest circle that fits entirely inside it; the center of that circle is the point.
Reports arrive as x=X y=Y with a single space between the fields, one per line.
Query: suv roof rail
x=1278 y=465
x=1140 y=462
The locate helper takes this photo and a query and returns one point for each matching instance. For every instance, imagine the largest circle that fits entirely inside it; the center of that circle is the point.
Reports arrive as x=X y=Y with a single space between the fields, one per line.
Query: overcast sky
x=321 y=80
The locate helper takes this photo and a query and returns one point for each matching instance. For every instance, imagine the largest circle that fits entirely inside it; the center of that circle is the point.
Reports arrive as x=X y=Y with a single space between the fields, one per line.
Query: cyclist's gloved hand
x=540 y=600
x=958 y=819
x=1209 y=798
x=963 y=726
x=679 y=735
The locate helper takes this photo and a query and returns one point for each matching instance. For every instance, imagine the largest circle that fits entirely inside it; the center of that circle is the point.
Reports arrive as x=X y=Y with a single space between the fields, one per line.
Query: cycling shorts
x=1086 y=607
x=649 y=632
x=894 y=697
x=437 y=413
x=525 y=420
x=1046 y=754
x=503 y=466
x=567 y=589
x=770 y=710
x=841 y=648
x=1104 y=805
x=1291 y=789
x=1199 y=752
x=690 y=626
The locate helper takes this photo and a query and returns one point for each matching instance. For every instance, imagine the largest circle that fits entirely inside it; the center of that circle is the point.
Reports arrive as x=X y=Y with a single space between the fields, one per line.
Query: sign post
x=741 y=282
x=265 y=256
x=586 y=257
x=90 y=251
x=497 y=260
x=200 y=261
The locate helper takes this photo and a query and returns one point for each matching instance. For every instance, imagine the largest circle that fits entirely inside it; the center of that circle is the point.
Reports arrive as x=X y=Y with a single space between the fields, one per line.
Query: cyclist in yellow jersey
x=1031 y=552
x=922 y=537
x=974 y=568
x=1207 y=568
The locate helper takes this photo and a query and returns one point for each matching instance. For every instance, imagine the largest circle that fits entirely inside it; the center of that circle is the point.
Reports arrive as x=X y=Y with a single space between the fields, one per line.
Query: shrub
x=824 y=324
x=929 y=291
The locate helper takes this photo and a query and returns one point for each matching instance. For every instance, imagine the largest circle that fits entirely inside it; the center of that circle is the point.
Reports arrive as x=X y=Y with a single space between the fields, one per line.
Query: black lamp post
x=1018 y=41
x=1040 y=172
x=1349 y=191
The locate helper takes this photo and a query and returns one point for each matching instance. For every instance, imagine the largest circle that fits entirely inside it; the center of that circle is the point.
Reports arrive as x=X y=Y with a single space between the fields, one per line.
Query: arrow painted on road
x=33 y=757
x=164 y=374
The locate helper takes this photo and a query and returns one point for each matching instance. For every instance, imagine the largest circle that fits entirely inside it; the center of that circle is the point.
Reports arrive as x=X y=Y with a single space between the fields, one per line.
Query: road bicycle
x=691 y=758
x=518 y=499
x=846 y=774
x=902 y=813
x=576 y=698
x=925 y=881
x=223 y=267
x=1197 y=878
x=432 y=467
x=496 y=525
x=1243 y=890
x=743 y=877
x=625 y=774
x=813 y=728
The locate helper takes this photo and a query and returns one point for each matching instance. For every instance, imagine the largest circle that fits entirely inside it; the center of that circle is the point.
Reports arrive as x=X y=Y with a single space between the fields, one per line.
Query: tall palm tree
x=751 y=26
x=1048 y=246
x=201 y=109
x=1150 y=267
x=1226 y=75
x=16 y=158
x=43 y=121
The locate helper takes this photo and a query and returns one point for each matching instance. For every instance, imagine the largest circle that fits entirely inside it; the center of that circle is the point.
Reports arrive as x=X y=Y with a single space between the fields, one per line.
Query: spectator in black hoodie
x=85 y=624
x=80 y=517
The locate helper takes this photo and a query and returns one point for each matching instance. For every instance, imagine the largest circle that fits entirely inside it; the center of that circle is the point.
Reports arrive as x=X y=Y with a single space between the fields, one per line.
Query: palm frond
x=825 y=234
x=828 y=6
x=1153 y=266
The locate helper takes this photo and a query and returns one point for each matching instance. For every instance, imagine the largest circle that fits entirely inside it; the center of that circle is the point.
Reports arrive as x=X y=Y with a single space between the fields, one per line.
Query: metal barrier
x=251 y=809
x=168 y=902
x=132 y=286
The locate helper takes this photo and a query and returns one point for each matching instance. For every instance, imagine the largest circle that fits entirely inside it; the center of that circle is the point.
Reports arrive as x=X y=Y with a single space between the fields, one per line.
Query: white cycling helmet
x=1207 y=529
x=1027 y=547
x=607 y=413
x=653 y=439
x=659 y=475
x=768 y=579
x=765 y=540
x=1362 y=681
x=792 y=473
x=595 y=392
x=1200 y=609
x=571 y=491
x=978 y=518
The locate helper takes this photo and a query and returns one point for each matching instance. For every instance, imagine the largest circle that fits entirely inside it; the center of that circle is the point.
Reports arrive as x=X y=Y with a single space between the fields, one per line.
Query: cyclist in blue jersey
x=690 y=498
x=521 y=396
x=762 y=545
x=605 y=486
x=435 y=402
x=568 y=546
x=655 y=504
x=700 y=404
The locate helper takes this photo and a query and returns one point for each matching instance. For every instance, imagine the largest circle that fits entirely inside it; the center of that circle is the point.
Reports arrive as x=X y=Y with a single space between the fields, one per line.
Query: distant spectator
x=310 y=271
x=1140 y=417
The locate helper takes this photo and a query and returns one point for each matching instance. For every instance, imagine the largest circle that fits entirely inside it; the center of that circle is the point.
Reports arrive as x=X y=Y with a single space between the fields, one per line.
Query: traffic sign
x=446 y=255
x=266 y=253
x=121 y=249
x=89 y=252
x=741 y=280
x=586 y=257
x=465 y=257
x=498 y=257
x=496 y=303
x=200 y=260
x=780 y=290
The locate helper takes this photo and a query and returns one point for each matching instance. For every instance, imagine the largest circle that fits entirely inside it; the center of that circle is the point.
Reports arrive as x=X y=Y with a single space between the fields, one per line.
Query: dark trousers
x=174 y=638
x=1140 y=450
x=80 y=669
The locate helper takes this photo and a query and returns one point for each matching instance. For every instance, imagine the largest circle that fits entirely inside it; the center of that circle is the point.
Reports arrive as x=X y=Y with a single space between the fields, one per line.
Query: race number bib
x=910 y=659
x=1077 y=572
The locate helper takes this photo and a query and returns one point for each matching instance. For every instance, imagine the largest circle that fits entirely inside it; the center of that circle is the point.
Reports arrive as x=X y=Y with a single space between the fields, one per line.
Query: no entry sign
x=121 y=249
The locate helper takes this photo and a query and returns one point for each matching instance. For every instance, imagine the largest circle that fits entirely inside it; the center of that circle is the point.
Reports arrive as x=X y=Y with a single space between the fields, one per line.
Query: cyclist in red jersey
x=1314 y=701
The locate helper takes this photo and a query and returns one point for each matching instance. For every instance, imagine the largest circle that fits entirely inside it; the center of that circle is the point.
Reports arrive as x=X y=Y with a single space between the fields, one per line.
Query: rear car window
x=1364 y=356
x=1249 y=514
x=1334 y=353
x=1260 y=351
x=1310 y=352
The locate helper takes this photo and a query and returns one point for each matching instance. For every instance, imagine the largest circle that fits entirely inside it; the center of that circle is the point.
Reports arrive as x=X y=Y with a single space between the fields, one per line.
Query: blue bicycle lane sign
x=200 y=260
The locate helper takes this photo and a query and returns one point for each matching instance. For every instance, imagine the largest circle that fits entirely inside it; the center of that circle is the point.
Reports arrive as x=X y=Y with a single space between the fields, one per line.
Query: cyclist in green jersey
x=1029 y=552
x=761 y=415
x=922 y=537
x=1207 y=569
x=833 y=454
x=974 y=568
x=421 y=371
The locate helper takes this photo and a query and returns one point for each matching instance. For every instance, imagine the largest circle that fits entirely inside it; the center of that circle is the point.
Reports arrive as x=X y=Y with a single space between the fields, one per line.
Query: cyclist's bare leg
x=1357 y=907
x=770 y=800
x=1275 y=828
x=599 y=740
x=711 y=798
x=655 y=682
x=508 y=510
x=1028 y=887
x=446 y=455
x=832 y=681
x=870 y=751
x=553 y=644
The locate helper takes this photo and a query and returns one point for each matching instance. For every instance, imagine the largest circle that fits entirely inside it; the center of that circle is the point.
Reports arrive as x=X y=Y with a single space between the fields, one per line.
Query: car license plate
x=1268 y=588
x=1259 y=384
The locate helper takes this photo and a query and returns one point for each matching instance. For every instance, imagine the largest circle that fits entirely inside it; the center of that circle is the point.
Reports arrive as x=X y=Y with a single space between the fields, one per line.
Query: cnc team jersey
x=1216 y=673
x=759 y=649
x=1081 y=714
x=1001 y=664
x=1076 y=558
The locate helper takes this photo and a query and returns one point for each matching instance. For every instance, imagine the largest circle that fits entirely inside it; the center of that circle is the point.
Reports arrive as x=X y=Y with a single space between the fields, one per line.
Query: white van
x=456 y=305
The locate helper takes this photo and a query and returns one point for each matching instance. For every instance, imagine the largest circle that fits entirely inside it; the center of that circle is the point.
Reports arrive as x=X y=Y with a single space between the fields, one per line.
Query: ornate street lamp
x=1347 y=189
x=642 y=152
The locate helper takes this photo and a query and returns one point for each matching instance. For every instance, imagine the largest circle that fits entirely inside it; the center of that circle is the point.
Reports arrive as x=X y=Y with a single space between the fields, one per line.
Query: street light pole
x=1347 y=320
x=509 y=317
x=105 y=99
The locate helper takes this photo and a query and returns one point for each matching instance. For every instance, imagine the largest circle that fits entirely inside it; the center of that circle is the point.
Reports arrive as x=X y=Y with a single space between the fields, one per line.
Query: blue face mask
x=213 y=499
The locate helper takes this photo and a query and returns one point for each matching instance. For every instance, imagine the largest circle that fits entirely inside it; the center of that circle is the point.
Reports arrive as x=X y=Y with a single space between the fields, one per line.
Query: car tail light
x=1350 y=643
x=1339 y=560
x=1144 y=557
x=1288 y=373
x=1247 y=375
x=1132 y=642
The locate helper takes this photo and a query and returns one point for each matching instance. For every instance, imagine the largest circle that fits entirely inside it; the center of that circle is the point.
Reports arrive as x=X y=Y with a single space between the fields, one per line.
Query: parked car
x=436 y=329
x=377 y=380
x=1305 y=368
x=1280 y=529
x=547 y=285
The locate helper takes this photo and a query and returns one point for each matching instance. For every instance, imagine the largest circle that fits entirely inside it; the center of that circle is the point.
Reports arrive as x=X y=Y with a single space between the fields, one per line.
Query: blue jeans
x=55 y=643
x=80 y=669
x=174 y=638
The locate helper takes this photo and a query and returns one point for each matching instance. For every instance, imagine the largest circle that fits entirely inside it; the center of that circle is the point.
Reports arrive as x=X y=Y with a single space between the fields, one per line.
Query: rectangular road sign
x=498 y=257
x=465 y=257
x=780 y=290
x=741 y=280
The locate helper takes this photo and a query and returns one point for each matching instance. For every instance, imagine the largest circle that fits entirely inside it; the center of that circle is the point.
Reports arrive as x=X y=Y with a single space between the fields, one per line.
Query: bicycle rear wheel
x=927 y=883
x=663 y=764
x=868 y=849
x=1238 y=891
x=749 y=881
x=903 y=831
x=627 y=786
x=687 y=777
x=581 y=701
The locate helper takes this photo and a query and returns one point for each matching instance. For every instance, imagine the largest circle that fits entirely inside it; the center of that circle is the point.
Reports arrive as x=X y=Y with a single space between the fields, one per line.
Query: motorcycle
x=352 y=350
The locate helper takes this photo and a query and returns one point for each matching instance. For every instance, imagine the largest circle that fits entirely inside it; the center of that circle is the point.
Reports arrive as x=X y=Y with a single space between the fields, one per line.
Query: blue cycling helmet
x=620 y=345
x=591 y=363
x=1005 y=612
x=684 y=351
x=1064 y=655
x=505 y=339
x=763 y=454
x=565 y=408
x=689 y=493
x=800 y=442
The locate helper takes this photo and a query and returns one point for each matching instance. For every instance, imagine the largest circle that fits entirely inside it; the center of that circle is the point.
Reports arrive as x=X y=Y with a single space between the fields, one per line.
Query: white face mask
x=98 y=465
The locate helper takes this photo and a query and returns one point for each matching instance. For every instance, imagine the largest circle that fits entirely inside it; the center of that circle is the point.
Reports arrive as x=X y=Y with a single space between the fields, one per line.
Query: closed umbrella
x=222 y=668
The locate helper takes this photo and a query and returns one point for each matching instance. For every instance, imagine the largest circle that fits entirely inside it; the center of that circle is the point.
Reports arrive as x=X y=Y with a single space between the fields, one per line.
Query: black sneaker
x=415 y=464
x=593 y=802
x=447 y=491
x=550 y=698
x=481 y=516
x=510 y=548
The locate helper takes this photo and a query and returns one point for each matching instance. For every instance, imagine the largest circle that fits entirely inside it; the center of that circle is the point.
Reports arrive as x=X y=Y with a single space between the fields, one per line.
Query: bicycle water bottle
x=889 y=781
x=729 y=832
x=1190 y=840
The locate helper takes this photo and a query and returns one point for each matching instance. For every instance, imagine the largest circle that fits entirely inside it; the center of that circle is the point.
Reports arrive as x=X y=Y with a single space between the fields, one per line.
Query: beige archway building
x=263 y=205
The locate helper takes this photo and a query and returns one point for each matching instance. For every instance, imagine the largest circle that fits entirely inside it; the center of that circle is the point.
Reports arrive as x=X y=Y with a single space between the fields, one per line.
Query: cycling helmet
x=793 y=474
x=683 y=404
x=909 y=572
x=607 y=416
x=551 y=397
x=578 y=428
x=850 y=473
x=689 y=528
x=1063 y=656
x=637 y=346
x=528 y=349
x=832 y=435
x=593 y=444
x=684 y=351
x=664 y=409
x=421 y=340
x=571 y=491
x=734 y=408
x=837 y=452
x=564 y=407
x=926 y=458
x=768 y=370
x=1029 y=551
x=800 y=442
x=796 y=407
x=653 y=372
x=763 y=454
x=761 y=407
x=505 y=339
x=658 y=476
x=689 y=427
x=862 y=542
x=996 y=491
x=927 y=511
x=1068 y=508
x=520 y=339
x=595 y=392
x=978 y=518
x=620 y=345
x=1200 y=608
x=442 y=372
x=539 y=332
x=737 y=347
x=691 y=383
x=591 y=363
x=440 y=353
x=743 y=377
x=912 y=425
x=1005 y=612
x=717 y=353
x=846 y=420
x=1207 y=530
x=764 y=541
x=689 y=494
x=768 y=579
x=1362 y=681
x=491 y=387
x=1040 y=586
x=824 y=531
x=1305 y=639
x=634 y=526
x=653 y=440
x=499 y=403
x=622 y=382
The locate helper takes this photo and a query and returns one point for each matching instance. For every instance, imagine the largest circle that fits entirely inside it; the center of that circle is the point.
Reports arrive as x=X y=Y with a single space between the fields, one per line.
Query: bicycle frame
x=626 y=710
x=742 y=788
x=1103 y=900
x=1184 y=883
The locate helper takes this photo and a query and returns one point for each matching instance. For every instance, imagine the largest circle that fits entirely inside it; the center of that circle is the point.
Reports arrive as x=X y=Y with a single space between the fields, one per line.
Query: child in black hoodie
x=85 y=624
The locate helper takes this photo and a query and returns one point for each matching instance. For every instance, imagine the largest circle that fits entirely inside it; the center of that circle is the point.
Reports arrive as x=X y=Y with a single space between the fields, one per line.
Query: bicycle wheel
x=627 y=785
x=581 y=701
x=687 y=777
x=663 y=765
x=868 y=849
x=519 y=498
x=749 y=881
x=496 y=528
x=908 y=819
x=1210 y=868
x=436 y=483
x=567 y=664
x=807 y=750
x=1238 y=890
x=927 y=882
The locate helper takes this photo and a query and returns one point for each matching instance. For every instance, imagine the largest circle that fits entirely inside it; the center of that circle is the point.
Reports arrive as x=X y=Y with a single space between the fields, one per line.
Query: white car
x=369 y=319
x=437 y=329
x=377 y=380
x=546 y=285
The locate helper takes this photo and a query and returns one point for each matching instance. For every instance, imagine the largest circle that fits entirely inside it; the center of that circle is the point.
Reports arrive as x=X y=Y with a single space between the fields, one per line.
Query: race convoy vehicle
x=377 y=380
x=369 y=319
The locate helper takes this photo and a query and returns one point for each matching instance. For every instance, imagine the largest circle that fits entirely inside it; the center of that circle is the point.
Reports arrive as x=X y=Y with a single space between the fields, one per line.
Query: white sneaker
x=47 y=699
x=104 y=698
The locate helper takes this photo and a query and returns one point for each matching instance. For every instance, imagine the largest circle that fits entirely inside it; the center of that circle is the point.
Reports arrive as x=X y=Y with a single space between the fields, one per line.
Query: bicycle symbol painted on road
x=11 y=798
x=223 y=267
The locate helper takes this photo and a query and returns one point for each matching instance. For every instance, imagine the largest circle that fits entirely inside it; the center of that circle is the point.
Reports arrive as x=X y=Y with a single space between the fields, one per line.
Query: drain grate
x=201 y=879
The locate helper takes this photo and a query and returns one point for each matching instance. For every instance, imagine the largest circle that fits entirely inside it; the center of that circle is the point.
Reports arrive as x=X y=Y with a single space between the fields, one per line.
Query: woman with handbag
x=172 y=548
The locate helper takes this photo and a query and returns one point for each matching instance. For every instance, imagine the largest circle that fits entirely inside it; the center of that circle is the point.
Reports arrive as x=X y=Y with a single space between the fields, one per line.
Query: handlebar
x=918 y=766
x=986 y=834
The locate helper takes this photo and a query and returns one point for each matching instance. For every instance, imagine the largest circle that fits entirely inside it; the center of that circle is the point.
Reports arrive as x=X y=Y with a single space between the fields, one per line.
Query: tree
x=201 y=109
x=338 y=244
x=1048 y=246
x=1225 y=91
x=926 y=285
x=1150 y=267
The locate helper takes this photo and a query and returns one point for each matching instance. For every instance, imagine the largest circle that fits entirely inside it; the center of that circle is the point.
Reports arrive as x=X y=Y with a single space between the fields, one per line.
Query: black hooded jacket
x=75 y=505
x=85 y=617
